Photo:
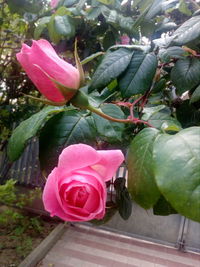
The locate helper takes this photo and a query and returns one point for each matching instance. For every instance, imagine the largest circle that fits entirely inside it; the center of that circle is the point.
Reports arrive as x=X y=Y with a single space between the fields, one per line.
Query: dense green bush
x=153 y=83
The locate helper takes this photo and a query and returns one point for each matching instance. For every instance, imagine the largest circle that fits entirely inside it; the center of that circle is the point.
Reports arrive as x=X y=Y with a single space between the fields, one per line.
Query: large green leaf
x=27 y=129
x=183 y=8
x=53 y=34
x=91 y=57
x=196 y=95
x=93 y=13
x=163 y=117
x=141 y=183
x=150 y=111
x=186 y=74
x=141 y=17
x=177 y=170
x=69 y=127
x=112 y=65
x=188 y=32
x=64 y=26
x=172 y=52
x=60 y=24
x=41 y=25
x=156 y=7
x=139 y=75
x=117 y=20
x=159 y=85
x=111 y=131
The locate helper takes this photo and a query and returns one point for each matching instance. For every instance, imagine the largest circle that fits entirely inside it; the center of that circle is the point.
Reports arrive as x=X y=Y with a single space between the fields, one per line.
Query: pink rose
x=54 y=3
x=40 y=61
x=76 y=190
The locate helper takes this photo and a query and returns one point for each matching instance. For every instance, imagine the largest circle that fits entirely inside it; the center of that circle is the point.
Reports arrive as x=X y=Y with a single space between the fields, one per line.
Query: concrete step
x=86 y=246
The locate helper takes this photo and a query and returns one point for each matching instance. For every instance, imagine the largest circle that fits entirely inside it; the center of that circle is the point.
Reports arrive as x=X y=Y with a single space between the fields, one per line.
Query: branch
x=107 y=117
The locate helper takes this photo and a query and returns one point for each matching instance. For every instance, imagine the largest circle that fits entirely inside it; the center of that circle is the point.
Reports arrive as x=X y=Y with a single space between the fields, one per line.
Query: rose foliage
x=114 y=74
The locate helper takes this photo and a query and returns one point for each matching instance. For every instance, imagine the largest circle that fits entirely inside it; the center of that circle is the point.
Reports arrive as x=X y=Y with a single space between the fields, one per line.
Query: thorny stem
x=105 y=116
x=128 y=120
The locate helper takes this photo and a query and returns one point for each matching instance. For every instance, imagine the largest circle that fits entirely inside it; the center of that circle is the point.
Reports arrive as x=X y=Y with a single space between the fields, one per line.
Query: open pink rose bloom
x=75 y=190
x=40 y=62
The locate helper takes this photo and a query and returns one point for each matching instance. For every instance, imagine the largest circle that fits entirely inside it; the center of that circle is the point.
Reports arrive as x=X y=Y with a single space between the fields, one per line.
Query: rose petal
x=93 y=203
x=43 y=54
x=49 y=197
x=109 y=163
x=76 y=157
x=81 y=179
x=52 y=205
x=40 y=80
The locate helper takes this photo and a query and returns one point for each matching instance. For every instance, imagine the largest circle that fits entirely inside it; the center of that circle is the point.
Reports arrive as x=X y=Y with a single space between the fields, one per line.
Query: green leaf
x=117 y=20
x=125 y=23
x=185 y=75
x=93 y=13
x=149 y=111
x=170 y=127
x=188 y=32
x=111 y=131
x=64 y=26
x=159 y=85
x=91 y=57
x=195 y=96
x=69 y=3
x=188 y=115
x=111 y=67
x=154 y=10
x=172 y=52
x=66 y=128
x=62 y=11
x=138 y=77
x=109 y=39
x=183 y=8
x=163 y=208
x=177 y=171
x=142 y=16
x=123 y=199
x=28 y=129
x=166 y=26
x=41 y=25
x=53 y=34
x=143 y=48
x=141 y=183
x=106 y=2
x=60 y=24
x=163 y=117
x=111 y=16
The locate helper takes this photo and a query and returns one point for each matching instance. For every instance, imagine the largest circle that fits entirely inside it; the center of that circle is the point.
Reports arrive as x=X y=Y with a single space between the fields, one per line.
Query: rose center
x=81 y=197
x=77 y=196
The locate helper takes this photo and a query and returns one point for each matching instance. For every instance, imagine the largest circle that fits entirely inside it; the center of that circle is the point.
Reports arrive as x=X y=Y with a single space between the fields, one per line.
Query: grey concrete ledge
x=40 y=251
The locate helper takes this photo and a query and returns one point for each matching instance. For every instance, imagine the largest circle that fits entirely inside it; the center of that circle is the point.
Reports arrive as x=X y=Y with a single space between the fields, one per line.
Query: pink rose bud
x=75 y=190
x=54 y=3
x=125 y=40
x=41 y=62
